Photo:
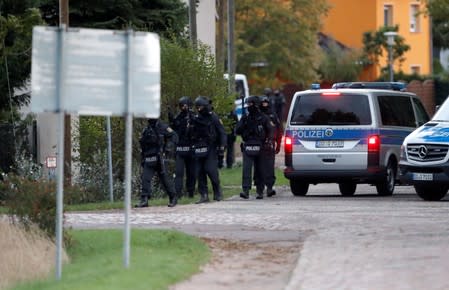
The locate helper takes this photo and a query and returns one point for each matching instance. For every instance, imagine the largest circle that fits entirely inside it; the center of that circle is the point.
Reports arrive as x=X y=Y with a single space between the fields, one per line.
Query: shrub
x=31 y=202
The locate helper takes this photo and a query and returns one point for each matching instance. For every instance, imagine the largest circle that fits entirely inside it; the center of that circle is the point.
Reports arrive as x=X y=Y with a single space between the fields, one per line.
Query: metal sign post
x=95 y=72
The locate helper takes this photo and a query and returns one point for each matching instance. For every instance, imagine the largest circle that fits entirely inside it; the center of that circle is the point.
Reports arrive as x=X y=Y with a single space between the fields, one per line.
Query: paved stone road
x=360 y=242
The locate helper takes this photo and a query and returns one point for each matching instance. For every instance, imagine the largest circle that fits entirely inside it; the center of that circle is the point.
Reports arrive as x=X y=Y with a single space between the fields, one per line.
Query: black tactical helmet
x=264 y=99
x=253 y=99
x=267 y=91
x=201 y=101
x=184 y=101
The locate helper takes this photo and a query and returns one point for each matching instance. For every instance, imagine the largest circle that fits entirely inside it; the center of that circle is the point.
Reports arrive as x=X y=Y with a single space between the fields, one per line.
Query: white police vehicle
x=424 y=157
x=349 y=136
x=242 y=90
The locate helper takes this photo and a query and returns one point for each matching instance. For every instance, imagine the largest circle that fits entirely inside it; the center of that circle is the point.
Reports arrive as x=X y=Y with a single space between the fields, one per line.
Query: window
x=415 y=69
x=396 y=111
x=421 y=114
x=388 y=15
x=414 y=18
x=317 y=109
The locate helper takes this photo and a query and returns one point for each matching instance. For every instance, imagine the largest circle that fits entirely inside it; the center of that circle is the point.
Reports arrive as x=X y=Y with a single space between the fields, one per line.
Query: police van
x=424 y=157
x=349 y=135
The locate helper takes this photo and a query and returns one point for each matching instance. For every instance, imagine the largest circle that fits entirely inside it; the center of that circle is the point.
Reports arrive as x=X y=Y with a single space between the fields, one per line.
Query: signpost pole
x=111 y=187
x=128 y=150
x=60 y=157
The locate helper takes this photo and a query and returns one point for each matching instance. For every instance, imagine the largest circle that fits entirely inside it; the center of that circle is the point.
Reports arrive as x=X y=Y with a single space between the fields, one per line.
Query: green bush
x=31 y=202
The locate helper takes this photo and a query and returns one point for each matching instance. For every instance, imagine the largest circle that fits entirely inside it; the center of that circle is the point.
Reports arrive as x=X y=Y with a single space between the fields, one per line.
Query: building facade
x=347 y=20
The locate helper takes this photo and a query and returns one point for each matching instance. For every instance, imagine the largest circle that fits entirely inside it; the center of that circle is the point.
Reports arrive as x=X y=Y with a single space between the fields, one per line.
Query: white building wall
x=205 y=19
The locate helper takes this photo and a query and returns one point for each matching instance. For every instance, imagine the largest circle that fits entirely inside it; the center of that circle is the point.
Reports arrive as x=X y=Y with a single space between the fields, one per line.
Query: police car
x=242 y=90
x=424 y=157
x=348 y=136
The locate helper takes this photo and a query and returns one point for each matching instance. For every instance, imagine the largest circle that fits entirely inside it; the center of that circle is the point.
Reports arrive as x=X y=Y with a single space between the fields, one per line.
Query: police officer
x=230 y=140
x=256 y=130
x=269 y=150
x=153 y=142
x=279 y=103
x=184 y=156
x=207 y=135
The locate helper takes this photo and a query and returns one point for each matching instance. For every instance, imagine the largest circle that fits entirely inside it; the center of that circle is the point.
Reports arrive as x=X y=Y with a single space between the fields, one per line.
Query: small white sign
x=51 y=162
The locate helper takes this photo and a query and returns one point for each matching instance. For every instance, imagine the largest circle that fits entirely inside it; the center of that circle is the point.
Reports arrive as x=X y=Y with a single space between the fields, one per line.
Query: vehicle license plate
x=329 y=144
x=422 y=176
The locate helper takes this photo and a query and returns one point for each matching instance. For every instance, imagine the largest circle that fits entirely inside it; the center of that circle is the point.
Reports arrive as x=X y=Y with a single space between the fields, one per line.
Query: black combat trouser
x=268 y=159
x=230 y=140
x=248 y=163
x=207 y=167
x=147 y=176
x=185 y=164
x=230 y=150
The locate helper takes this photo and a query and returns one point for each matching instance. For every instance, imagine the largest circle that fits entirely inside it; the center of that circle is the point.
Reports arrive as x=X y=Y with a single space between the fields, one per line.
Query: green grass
x=159 y=258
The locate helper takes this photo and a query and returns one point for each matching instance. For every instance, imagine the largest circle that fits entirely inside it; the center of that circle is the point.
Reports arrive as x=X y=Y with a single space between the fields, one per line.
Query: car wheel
x=386 y=186
x=431 y=192
x=298 y=188
x=347 y=188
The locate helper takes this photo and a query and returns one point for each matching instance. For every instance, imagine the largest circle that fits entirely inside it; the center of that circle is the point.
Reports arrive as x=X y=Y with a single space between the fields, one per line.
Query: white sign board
x=95 y=72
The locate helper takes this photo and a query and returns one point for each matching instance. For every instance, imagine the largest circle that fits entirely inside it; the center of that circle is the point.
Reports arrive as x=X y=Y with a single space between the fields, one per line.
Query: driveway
x=320 y=241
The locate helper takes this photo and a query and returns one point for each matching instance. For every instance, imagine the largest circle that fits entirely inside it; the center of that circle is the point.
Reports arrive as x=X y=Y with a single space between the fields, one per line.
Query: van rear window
x=340 y=109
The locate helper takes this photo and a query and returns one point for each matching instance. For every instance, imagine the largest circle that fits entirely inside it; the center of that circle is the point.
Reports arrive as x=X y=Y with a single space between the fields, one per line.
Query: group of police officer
x=201 y=139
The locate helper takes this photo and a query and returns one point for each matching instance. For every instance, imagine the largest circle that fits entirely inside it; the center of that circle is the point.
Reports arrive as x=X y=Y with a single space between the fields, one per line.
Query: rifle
x=161 y=153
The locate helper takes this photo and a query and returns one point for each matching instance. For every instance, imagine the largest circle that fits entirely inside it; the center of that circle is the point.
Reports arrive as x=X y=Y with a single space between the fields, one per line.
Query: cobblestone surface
x=360 y=242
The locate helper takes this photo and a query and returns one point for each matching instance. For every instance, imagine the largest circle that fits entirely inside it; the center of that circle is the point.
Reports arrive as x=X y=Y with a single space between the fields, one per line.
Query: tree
x=16 y=22
x=375 y=44
x=281 y=37
x=165 y=17
x=339 y=64
x=439 y=11
x=15 y=54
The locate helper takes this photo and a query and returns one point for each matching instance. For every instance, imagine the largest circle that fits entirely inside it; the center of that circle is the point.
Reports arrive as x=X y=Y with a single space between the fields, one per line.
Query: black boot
x=204 y=198
x=143 y=201
x=271 y=192
x=244 y=194
x=173 y=201
x=218 y=196
x=259 y=195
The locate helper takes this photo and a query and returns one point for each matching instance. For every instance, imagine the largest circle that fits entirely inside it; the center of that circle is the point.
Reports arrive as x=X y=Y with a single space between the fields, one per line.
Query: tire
x=299 y=188
x=431 y=192
x=386 y=186
x=347 y=188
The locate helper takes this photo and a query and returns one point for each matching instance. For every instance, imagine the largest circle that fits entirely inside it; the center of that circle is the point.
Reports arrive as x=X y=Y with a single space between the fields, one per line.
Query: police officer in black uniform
x=153 y=142
x=279 y=104
x=269 y=150
x=256 y=130
x=184 y=156
x=230 y=140
x=208 y=134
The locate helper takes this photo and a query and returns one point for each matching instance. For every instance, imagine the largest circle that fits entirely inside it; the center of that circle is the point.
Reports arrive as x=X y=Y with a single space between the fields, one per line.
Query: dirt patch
x=245 y=265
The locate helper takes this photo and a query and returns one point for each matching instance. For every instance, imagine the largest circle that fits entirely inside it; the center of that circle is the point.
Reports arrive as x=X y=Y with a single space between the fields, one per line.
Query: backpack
x=150 y=141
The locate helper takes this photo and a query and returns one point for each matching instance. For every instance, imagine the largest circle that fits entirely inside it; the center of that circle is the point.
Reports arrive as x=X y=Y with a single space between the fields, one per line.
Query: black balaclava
x=152 y=122
x=263 y=108
x=252 y=109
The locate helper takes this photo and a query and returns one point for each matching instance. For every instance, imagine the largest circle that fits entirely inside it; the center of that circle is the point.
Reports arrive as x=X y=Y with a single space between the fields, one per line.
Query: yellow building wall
x=347 y=20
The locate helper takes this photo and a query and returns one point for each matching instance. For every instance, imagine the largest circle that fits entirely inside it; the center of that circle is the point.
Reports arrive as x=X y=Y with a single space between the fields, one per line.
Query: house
x=347 y=20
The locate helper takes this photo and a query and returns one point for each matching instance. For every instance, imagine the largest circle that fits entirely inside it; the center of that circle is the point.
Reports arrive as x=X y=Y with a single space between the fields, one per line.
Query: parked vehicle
x=242 y=90
x=348 y=136
x=424 y=157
